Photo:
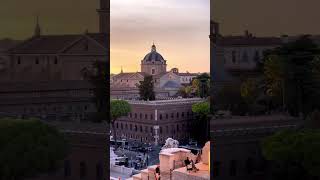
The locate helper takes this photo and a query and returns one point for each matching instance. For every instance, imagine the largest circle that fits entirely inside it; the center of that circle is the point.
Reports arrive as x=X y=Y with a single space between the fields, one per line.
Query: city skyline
x=180 y=39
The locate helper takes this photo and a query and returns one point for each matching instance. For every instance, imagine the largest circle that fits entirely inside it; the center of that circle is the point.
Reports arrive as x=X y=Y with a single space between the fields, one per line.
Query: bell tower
x=104 y=16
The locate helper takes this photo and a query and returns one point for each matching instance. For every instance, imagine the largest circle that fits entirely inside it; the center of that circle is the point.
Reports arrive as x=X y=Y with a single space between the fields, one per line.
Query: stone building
x=155 y=121
x=235 y=141
x=166 y=83
x=43 y=75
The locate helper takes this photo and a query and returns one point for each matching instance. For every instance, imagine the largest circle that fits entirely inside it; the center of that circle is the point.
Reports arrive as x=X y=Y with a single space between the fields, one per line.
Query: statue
x=170 y=143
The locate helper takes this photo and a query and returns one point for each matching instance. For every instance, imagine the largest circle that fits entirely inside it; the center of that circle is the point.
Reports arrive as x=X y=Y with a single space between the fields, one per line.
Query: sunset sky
x=179 y=28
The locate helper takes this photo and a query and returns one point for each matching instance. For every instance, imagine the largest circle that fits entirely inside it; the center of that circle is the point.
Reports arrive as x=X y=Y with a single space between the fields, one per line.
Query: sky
x=17 y=17
x=267 y=17
x=179 y=28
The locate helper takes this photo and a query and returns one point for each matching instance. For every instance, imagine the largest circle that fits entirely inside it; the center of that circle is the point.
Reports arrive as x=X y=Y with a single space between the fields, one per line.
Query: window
x=37 y=60
x=146 y=129
x=19 y=60
x=245 y=57
x=160 y=129
x=121 y=126
x=83 y=169
x=126 y=126
x=135 y=115
x=177 y=114
x=182 y=114
x=99 y=171
x=153 y=71
x=56 y=60
x=172 y=115
x=256 y=56
x=234 y=58
x=151 y=117
x=146 y=116
x=117 y=125
x=136 y=128
x=216 y=168
x=233 y=168
x=140 y=116
x=151 y=129
x=130 y=127
x=177 y=127
x=249 y=165
x=167 y=129
x=130 y=115
x=167 y=116
x=67 y=168
x=140 y=128
x=160 y=117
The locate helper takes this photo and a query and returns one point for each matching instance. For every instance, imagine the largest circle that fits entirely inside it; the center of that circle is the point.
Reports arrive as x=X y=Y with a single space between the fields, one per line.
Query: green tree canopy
x=200 y=130
x=202 y=109
x=293 y=154
x=98 y=77
x=29 y=148
x=146 y=89
x=118 y=108
x=289 y=70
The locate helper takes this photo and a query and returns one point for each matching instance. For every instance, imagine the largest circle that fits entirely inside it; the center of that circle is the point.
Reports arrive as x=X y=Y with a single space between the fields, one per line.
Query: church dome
x=153 y=55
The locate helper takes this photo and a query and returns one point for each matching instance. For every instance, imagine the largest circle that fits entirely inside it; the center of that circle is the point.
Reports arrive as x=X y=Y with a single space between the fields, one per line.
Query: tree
x=118 y=108
x=146 y=89
x=201 y=121
x=203 y=83
x=29 y=148
x=98 y=77
x=288 y=71
x=293 y=154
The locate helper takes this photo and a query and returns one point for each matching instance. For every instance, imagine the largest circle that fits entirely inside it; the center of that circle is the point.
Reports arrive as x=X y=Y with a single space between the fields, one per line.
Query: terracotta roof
x=249 y=41
x=52 y=44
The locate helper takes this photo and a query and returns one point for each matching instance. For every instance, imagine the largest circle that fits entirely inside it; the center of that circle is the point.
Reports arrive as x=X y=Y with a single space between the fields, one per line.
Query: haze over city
x=179 y=30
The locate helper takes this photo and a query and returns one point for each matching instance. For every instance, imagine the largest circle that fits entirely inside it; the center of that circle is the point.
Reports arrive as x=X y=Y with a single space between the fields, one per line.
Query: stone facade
x=155 y=121
x=235 y=145
x=43 y=76
x=166 y=83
